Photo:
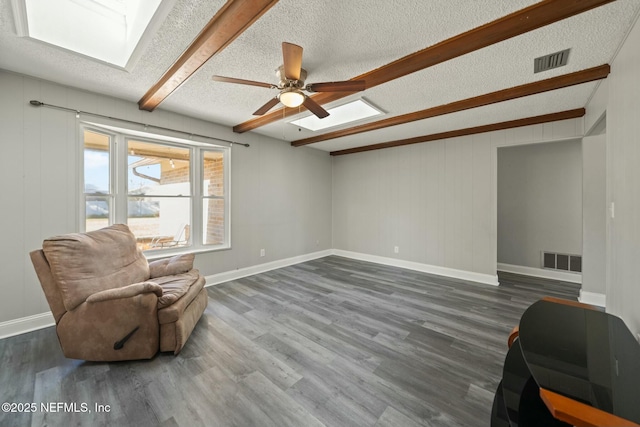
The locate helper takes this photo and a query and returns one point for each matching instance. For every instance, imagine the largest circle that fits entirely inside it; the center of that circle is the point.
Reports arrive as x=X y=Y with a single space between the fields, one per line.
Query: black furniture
x=572 y=364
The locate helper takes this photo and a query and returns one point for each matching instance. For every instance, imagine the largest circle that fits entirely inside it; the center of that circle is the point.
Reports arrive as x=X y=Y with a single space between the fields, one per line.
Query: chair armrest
x=112 y=329
x=126 y=292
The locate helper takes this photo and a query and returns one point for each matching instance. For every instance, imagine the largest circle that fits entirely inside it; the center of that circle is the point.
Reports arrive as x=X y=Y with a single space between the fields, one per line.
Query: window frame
x=226 y=189
x=123 y=203
x=119 y=192
x=111 y=219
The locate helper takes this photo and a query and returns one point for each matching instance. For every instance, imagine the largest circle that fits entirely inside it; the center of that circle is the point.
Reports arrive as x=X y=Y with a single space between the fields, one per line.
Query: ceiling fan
x=291 y=86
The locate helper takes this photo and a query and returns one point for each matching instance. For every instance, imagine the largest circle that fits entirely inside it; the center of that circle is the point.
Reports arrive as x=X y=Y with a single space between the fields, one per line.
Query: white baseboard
x=541 y=272
x=44 y=320
x=487 y=279
x=226 y=276
x=26 y=324
x=593 y=298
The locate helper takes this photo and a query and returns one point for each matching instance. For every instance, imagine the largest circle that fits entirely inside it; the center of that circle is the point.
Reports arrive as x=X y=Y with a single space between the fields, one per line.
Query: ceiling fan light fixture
x=291 y=98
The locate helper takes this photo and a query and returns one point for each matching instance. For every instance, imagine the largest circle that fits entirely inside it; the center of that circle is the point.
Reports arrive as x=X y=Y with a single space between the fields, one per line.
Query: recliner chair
x=109 y=303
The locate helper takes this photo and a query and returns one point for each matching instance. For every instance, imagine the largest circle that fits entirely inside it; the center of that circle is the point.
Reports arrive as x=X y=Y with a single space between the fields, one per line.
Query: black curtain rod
x=78 y=112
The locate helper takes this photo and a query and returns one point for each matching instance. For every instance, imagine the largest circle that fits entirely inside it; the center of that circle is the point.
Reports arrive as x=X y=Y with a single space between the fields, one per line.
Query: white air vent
x=554 y=60
x=563 y=262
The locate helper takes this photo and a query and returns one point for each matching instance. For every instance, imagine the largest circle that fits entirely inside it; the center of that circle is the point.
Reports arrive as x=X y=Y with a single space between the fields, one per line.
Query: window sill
x=159 y=254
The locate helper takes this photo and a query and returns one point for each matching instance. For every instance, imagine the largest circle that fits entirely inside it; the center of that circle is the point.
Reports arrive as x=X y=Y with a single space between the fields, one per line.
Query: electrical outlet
x=396 y=249
x=262 y=252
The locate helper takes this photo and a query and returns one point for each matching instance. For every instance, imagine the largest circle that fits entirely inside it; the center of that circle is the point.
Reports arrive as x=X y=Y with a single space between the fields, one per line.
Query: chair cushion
x=173 y=312
x=169 y=266
x=175 y=286
x=85 y=263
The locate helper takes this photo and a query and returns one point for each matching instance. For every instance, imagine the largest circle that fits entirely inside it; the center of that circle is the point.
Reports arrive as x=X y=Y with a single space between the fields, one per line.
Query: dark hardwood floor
x=333 y=342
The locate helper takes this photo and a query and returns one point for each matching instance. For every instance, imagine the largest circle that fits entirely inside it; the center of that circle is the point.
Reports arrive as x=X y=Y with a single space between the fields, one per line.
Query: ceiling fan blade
x=315 y=108
x=292 y=57
x=266 y=107
x=242 y=82
x=345 y=86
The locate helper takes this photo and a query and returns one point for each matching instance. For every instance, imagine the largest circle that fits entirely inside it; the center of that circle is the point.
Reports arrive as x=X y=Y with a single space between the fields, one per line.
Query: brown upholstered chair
x=109 y=303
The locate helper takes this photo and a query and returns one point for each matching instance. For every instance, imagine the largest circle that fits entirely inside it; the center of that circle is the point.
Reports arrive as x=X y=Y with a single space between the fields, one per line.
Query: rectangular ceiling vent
x=554 y=60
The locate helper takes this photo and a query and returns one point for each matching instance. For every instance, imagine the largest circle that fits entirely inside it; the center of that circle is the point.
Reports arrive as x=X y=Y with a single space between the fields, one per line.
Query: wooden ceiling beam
x=563 y=115
x=559 y=82
x=227 y=24
x=528 y=19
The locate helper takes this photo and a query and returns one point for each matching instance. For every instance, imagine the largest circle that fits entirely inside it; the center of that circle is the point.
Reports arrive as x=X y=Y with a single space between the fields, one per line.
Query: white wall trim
x=26 y=324
x=44 y=320
x=487 y=279
x=31 y=323
x=226 y=276
x=541 y=272
x=593 y=298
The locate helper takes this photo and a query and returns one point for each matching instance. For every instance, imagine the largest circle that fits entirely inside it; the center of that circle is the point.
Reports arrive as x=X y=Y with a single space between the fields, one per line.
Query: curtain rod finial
x=36 y=103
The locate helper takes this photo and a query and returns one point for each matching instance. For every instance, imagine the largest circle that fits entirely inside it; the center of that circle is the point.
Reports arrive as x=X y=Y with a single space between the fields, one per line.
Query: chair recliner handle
x=119 y=344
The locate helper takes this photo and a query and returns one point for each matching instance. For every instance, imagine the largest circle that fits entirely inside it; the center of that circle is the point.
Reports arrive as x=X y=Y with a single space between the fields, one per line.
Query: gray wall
x=281 y=196
x=623 y=182
x=594 y=214
x=539 y=201
x=436 y=201
x=431 y=200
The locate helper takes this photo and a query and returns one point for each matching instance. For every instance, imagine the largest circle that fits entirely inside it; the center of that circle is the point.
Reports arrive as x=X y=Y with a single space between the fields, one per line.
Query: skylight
x=346 y=113
x=107 y=30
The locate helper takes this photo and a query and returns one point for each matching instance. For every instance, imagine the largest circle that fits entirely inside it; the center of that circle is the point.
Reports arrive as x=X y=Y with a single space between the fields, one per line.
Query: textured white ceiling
x=341 y=40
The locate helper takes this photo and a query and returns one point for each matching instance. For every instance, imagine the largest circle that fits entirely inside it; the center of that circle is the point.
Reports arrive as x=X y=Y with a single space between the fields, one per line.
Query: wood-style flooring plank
x=329 y=342
x=394 y=418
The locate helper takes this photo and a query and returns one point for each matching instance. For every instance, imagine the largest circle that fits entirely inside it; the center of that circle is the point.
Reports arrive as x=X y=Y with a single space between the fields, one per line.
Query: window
x=213 y=197
x=98 y=196
x=340 y=115
x=112 y=31
x=173 y=194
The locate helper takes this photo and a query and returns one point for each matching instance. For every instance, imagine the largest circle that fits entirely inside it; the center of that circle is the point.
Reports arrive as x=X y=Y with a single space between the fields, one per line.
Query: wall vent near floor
x=548 y=62
x=564 y=262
